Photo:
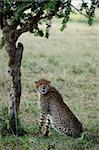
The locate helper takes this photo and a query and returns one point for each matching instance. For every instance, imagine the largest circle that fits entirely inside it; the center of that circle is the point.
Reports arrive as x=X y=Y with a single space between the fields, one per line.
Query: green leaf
x=66 y=15
x=38 y=32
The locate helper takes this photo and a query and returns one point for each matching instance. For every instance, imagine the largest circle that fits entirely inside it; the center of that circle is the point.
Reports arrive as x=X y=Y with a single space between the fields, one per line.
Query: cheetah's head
x=42 y=86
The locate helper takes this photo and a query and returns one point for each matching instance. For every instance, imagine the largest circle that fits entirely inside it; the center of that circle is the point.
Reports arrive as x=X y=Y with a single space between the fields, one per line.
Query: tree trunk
x=15 y=56
x=15 y=94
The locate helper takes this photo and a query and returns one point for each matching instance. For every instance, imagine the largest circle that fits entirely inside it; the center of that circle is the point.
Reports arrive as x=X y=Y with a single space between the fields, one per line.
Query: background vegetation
x=70 y=59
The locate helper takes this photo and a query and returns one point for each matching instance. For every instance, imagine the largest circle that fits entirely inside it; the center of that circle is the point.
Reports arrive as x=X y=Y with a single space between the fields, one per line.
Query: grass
x=71 y=61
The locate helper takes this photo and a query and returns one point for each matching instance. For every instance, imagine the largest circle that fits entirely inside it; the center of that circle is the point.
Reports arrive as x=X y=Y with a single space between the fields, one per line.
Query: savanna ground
x=70 y=59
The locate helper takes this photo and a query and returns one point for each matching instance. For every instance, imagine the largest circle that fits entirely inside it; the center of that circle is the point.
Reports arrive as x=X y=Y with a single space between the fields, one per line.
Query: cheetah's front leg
x=44 y=123
x=46 y=129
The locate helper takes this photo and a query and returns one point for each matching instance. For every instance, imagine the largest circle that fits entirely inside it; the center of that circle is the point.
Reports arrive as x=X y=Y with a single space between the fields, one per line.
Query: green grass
x=71 y=61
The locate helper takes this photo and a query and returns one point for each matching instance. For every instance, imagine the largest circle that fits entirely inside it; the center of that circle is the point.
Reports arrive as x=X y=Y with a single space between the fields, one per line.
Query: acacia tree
x=15 y=19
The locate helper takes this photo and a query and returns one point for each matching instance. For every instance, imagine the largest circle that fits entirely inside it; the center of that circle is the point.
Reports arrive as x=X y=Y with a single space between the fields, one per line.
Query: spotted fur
x=54 y=111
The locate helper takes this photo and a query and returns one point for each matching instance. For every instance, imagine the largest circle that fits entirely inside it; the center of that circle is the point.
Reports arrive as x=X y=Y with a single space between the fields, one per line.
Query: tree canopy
x=26 y=15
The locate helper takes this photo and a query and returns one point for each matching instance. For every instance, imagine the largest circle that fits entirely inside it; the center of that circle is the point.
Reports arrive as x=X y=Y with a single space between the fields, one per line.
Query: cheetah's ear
x=49 y=82
x=35 y=82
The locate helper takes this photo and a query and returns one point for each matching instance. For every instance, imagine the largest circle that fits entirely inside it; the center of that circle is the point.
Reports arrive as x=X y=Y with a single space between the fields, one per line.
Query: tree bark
x=15 y=94
x=15 y=78
x=15 y=57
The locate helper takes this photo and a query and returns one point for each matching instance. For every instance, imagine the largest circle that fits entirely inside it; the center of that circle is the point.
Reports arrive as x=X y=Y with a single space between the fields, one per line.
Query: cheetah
x=54 y=112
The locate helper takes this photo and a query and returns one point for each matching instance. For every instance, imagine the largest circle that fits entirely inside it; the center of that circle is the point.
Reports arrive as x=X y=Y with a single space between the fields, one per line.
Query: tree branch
x=62 y=7
x=31 y=24
x=78 y=11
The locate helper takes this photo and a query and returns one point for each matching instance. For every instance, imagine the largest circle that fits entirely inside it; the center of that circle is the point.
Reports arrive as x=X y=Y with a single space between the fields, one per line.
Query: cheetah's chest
x=39 y=105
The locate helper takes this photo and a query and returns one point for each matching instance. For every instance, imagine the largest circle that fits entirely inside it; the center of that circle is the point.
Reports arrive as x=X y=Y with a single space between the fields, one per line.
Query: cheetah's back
x=61 y=117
